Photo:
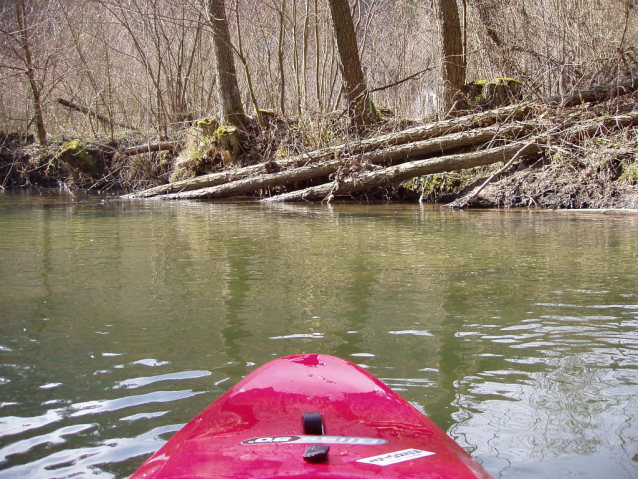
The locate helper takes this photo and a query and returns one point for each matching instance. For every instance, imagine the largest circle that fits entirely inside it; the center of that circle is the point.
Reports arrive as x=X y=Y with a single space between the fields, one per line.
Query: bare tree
x=25 y=41
x=453 y=60
x=231 y=109
x=360 y=106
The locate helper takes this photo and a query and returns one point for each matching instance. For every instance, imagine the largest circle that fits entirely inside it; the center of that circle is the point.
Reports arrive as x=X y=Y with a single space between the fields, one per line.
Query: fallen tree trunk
x=419 y=133
x=596 y=94
x=88 y=112
x=442 y=164
x=385 y=156
x=260 y=182
x=148 y=148
x=419 y=149
x=594 y=125
x=199 y=182
x=404 y=171
x=379 y=149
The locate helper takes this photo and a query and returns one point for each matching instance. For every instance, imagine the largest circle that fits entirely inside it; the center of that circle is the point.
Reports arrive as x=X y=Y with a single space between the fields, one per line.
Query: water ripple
x=96 y=407
x=88 y=460
x=144 y=381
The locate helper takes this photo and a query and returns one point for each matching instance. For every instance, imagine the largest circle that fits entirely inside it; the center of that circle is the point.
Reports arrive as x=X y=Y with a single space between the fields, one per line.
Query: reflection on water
x=514 y=331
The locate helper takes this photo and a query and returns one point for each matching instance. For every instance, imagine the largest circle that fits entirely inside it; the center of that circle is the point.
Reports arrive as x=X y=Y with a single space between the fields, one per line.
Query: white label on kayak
x=361 y=441
x=396 y=457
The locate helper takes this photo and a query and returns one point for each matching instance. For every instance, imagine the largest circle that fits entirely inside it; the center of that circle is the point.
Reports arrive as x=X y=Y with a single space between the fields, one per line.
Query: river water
x=515 y=331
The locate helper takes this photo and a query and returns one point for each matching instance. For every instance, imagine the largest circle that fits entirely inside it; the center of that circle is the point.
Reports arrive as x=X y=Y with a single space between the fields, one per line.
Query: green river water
x=515 y=331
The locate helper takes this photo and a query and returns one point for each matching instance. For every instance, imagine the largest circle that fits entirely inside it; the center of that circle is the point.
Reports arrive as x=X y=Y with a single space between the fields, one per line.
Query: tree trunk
x=404 y=171
x=379 y=148
x=25 y=43
x=361 y=162
x=461 y=161
x=88 y=112
x=360 y=106
x=453 y=60
x=231 y=109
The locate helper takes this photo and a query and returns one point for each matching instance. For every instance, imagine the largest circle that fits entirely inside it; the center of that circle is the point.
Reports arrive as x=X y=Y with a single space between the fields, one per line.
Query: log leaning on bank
x=404 y=171
x=414 y=134
x=385 y=156
x=413 y=145
x=442 y=164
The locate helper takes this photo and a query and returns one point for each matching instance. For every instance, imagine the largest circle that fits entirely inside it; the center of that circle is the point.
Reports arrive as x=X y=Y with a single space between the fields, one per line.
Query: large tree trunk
x=441 y=164
x=25 y=43
x=360 y=106
x=231 y=109
x=325 y=168
x=378 y=144
x=453 y=59
x=404 y=171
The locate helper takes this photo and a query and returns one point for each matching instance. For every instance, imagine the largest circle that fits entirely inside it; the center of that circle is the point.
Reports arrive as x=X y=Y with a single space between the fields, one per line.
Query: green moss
x=499 y=91
x=378 y=112
x=228 y=138
x=207 y=126
x=630 y=173
x=507 y=80
x=75 y=155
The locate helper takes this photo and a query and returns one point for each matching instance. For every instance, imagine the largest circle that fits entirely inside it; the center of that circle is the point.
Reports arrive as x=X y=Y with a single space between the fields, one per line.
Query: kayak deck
x=345 y=422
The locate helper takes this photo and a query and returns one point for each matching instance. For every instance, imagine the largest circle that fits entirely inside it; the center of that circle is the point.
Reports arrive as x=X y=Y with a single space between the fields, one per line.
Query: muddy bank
x=600 y=172
x=553 y=186
x=605 y=176
x=543 y=155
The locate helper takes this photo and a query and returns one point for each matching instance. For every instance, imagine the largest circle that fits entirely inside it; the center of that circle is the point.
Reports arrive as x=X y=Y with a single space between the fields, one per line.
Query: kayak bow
x=310 y=416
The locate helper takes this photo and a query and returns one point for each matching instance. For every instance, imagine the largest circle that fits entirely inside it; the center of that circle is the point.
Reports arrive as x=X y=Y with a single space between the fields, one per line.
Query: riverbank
x=602 y=173
x=577 y=158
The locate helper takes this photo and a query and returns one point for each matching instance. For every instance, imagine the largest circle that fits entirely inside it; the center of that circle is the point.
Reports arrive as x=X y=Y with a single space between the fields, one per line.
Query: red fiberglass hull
x=256 y=430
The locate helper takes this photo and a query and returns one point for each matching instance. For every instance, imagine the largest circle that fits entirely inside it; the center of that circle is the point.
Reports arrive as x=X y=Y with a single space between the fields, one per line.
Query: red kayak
x=310 y=416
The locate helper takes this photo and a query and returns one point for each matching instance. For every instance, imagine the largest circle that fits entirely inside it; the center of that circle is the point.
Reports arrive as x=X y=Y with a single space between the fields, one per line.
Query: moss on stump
x=208 y=147
x=228 y=140
x=491 y=94
x=79 y=160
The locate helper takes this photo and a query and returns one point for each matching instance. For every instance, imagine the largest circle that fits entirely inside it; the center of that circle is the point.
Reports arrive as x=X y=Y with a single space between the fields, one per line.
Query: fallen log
x=260 y=182
x=594 y=125
x=385 y=156
x=584 y=129
x=595 y=94
x=405 y=171
x=442 y=164
x=199 y=182
x=383 y=142
x=418 y=133
x=148 y=148
x=98 y=116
